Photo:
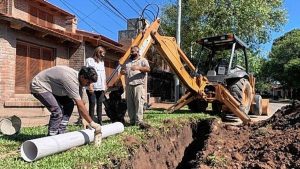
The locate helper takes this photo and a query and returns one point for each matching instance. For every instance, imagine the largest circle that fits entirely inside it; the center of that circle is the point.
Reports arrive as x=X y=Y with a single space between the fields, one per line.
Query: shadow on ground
x=21 y=137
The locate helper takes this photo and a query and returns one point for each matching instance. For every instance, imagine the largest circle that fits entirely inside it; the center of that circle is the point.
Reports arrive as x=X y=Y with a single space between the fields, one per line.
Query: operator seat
x=222 y=67
x=211 y=73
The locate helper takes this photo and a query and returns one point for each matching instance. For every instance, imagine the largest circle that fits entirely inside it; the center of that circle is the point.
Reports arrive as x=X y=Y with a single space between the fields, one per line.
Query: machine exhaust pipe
x=35 y=149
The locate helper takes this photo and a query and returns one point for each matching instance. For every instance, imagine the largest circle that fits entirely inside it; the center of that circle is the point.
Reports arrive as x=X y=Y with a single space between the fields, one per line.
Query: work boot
x=52 y=133
x=78 y=122
x=128 y=124
x=143 y=125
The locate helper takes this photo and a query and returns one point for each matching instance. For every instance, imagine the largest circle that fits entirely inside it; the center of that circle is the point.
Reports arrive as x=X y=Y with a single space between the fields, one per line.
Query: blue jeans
x=60 y=107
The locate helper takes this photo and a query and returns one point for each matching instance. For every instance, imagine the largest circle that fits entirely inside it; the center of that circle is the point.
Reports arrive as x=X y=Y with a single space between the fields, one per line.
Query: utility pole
x=178 y=22
x=176 y=80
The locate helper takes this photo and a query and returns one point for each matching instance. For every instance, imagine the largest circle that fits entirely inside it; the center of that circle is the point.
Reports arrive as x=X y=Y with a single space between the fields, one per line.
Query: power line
x=154 y=17
x=118 y=12
x=69 y=6
x=98 y=7
x=131 y=7
x=86 y=16
x=91 y=13
x=137 y=4
x=62 y=1
x=112 y=6
x=140 y=9
x=112 y=11
x=151 y=4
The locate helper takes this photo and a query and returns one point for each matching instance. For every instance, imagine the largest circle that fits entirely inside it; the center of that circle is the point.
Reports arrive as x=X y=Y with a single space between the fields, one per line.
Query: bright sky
x=93 y=16
x=293 y=22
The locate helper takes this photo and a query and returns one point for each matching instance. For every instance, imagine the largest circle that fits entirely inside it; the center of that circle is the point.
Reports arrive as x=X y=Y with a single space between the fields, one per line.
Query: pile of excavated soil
x=274 y=143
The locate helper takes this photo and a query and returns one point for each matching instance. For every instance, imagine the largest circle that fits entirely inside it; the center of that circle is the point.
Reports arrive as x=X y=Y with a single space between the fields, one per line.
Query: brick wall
x=7 y=61
x=62 y=56
x=77 y=57
x=89 y=51
x=125 y=37
x=3 y=6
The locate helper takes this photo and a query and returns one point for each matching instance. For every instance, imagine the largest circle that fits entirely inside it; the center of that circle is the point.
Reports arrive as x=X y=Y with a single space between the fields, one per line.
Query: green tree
x=256 y=65
x=284 y=54
x=251 y=20
x=284 y=60
x=292 y=70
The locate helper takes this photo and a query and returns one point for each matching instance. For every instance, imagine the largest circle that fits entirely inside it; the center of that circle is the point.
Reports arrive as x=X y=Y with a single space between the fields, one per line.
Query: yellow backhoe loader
x=222 y=81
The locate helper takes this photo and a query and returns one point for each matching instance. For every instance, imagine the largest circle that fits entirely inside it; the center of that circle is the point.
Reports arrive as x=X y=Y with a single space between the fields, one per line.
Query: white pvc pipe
x=35 y=149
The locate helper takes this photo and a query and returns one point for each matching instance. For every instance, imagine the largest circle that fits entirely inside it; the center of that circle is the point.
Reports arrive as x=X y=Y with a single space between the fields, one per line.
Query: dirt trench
x=173 y=148
x=274 y=143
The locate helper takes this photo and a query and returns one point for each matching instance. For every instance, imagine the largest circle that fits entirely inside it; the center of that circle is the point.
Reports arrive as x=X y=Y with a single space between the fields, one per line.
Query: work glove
x=98 y=133
x=95 y=126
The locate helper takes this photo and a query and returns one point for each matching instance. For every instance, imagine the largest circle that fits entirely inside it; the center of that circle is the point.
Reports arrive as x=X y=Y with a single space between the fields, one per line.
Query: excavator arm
x=144 y=41
x=178 y=61
x=170 y=51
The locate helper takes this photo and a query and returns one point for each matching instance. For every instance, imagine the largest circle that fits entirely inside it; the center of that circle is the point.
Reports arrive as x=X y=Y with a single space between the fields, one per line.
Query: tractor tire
x=198 y=106
x=257 y=107
x=241 y=91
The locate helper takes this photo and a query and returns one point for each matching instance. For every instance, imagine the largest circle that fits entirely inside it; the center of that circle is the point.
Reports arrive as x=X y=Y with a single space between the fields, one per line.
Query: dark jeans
x=96 y=97
x=61 y=108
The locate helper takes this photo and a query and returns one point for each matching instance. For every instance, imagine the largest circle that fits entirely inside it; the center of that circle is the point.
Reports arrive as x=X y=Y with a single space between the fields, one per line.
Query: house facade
x=36 y=35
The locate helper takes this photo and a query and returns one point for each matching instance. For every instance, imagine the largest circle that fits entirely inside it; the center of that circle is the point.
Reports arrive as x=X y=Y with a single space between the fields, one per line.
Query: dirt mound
x=274 y=143
x=285 y=118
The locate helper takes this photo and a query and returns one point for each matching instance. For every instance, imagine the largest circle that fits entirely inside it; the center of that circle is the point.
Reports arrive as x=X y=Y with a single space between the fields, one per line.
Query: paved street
x=273 y=107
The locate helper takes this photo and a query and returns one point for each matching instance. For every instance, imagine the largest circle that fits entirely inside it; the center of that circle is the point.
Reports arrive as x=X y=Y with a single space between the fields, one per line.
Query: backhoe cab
x=226 y=65
x=226 y=58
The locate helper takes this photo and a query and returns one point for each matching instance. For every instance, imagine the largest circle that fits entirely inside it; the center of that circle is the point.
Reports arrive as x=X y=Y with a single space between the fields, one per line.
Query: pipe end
x=29 y=151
